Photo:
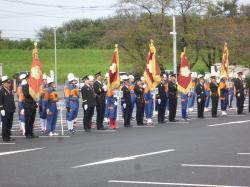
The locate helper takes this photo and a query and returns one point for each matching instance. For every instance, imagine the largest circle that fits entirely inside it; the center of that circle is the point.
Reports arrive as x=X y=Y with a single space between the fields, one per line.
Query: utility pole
x=174 y=40
x=55 y=57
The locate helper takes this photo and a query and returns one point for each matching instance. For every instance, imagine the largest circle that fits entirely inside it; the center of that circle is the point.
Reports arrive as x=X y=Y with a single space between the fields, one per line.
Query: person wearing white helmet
x=207 y=91
x=230 y=84
x=132 y=93
x=223 y=92
x=71 y=94
x=88 y=101
x=52 y=111
x=42 y=103
x=7 y=108
x=20 y=96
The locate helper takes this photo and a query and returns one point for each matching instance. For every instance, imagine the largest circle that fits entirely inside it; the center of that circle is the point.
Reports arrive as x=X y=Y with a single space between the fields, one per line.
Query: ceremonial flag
x=225 y=62
x=152 y=70
x=36 y=76
x=114 y=76
x=185 y=81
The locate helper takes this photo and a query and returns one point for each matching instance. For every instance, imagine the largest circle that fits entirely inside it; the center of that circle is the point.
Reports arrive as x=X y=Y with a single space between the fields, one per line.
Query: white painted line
x=20 y=151
x=169 y=184
x=43 y=137
x=119 y=159
x=177 y=122
x=243 y=153
x=233 y=122
x=215 y=166
x=7 y=143
x=144 y=126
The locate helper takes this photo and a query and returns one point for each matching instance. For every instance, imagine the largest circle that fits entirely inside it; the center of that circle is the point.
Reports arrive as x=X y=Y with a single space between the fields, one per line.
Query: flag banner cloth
x=36 y=76
x=152 y=70
x=225 y=62
x=185 y=81
x=114 y=76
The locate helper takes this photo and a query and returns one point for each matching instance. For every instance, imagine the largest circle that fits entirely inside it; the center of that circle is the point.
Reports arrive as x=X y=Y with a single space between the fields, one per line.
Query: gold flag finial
x=184 y=52
x=225 y=44
x=116 y=46
x=151 y=43
x=35 y=51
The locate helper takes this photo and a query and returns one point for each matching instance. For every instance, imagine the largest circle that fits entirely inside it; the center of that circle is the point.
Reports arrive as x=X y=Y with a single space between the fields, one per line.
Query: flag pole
x=174 y=41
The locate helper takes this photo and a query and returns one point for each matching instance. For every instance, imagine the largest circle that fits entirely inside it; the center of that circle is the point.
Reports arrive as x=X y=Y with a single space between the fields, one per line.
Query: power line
x=56 y=6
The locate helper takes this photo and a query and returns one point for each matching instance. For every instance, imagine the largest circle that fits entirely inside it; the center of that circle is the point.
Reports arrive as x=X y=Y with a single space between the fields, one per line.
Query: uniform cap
x=98 y=74
x=200 y=76
x=5 y=78
x=22 y=76
x=49 y=80
x=44 y=76
x=131 y=77
x=91 y=78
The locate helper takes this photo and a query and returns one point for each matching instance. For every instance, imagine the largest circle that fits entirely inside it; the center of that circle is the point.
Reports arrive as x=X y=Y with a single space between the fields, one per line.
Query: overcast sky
x=20 y=19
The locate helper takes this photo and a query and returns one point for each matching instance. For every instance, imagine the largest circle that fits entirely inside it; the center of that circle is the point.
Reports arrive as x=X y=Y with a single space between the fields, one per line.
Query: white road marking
x=20 y=151
x=215 y=166
x=43 y=137
x=169 y=184
x=233 y=122
x=243 y=153
x=7 y=143
x=119 y=159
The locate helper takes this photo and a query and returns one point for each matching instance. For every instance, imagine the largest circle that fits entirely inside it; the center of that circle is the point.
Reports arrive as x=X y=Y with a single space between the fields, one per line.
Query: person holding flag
x=184 y=83
x=32 y=92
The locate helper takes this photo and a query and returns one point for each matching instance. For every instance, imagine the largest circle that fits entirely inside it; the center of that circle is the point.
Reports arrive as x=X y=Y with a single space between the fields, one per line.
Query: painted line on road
x=215 y=166
x=43 y=137
x=7 y=143
x=229 y=123
x=119 y=159
x=243 y=153
x=20 y=151
x=169 y=184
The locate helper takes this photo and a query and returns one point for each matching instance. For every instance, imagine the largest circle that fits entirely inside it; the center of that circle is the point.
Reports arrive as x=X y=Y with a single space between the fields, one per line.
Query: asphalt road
x=200 y=152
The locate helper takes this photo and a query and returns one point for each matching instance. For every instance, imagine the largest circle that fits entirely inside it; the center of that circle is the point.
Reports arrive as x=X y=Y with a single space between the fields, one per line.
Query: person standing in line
x=111 y=109
x=172 y=94
x=7 y=108
x=43 y=101
x=240 y=95
x=100 y=100
x=140 y=102
x=132 y=93
x=214 y=95
x=207 y=91
x=52 y=111
x=223 y=92
x=30 y=106
x=201 y=96
x=192 y=93
x=149 y=104
x=126 y=102
x=230 y=90
x=161 y=100
x=88 y=101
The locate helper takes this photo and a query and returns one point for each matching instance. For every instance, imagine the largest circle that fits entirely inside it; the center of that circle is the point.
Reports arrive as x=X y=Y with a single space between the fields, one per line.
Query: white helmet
x=91 y=78
x=71 y=77
x=131 y=77
x=22 y=76
x=200 y=76
x=44 y=76
x=49 y=80
x=230 y=75
x=194 y=75
x=142 y=78
x=5 y=78
x=206 y=76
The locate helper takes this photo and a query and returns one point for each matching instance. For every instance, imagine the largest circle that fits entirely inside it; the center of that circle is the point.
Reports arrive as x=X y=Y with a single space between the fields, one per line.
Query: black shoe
x=87 y=130
x=35 y=136
x=173 y=120
x=101 y=128
x=8 y=139
x=141 y=124
x=161 y=122
x=29 y=137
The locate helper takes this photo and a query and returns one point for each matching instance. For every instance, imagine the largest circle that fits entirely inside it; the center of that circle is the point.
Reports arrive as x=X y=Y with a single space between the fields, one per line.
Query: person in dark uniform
x=100 y=100
x=240 y=97
x=201 y=96
x=161 y=98
x=30 y=106
x=172 y=96
x=7 y=108
x=126 y=103
x=140 y=103
x=214 y=95
x=88 y=101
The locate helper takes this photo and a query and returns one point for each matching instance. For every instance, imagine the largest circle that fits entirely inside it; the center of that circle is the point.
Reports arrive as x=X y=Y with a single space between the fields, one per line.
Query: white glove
x=22 y=112
x=238 y=94
x=199 y=100
x=47 y=111
x=85 y=107
x=124 y=105
x=104 y=88
x=159 y=101
x=3 y=113
x=115 y=103
x=144 y=86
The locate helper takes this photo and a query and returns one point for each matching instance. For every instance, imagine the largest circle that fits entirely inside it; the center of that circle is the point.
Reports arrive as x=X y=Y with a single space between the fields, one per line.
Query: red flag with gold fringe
x=185 y=81
x=152 y=70
x=114 y=76
x=35 y=78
